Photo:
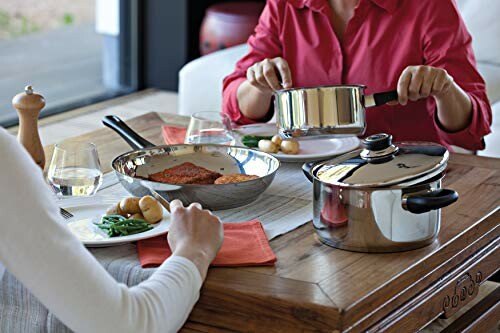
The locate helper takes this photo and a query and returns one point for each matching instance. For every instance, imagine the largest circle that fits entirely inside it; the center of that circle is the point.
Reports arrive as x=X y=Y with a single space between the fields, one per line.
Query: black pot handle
x=133 y=139
x=381 y=98
x=435 y=199
x=306 y=168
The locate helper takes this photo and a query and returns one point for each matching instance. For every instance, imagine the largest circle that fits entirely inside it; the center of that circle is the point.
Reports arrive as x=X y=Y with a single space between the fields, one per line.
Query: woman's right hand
x=195 y=234
x=267 y=74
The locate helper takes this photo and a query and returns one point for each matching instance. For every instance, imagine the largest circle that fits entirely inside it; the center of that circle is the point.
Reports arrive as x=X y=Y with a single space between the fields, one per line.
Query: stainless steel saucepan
x=325 y=110
x=133 y=169
x=383 y=198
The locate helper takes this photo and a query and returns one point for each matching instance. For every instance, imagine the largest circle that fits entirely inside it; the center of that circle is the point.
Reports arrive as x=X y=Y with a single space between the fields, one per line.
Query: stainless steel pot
x=325 y=110
x=383 y=198
x=133 y=169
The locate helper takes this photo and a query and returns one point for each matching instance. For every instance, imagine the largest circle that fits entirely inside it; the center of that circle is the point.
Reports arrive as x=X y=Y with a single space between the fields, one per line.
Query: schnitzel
x=185 y=173
x=234 y=178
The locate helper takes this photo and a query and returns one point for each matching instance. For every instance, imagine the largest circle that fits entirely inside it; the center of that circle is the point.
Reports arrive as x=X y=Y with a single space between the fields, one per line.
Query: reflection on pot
x=373 y=220
x=333 y=213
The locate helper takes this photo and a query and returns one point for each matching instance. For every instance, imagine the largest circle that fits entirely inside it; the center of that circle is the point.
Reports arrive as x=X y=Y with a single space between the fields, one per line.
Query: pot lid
x=382 y=163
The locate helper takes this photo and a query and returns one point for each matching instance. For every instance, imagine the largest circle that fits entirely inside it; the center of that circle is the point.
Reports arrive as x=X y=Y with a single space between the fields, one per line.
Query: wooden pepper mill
x=28 y=105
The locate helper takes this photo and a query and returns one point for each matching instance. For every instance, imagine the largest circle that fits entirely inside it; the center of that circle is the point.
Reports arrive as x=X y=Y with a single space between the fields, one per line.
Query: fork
x=64 y=213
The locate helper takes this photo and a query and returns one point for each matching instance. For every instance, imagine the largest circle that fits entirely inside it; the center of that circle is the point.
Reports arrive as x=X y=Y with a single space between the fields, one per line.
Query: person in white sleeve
x=45 y=256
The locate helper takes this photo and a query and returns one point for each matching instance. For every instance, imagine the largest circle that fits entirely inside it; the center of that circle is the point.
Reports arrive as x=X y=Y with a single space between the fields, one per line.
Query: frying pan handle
x=133 y=139
x=435 y=199
x=380 y=98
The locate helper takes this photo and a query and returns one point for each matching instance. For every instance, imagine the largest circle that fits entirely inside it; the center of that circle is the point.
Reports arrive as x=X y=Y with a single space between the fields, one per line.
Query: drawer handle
x=465 y=290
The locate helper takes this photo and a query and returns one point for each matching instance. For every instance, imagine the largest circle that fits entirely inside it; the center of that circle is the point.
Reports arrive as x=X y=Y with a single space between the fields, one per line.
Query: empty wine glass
x=209 y=127
x=75 y=169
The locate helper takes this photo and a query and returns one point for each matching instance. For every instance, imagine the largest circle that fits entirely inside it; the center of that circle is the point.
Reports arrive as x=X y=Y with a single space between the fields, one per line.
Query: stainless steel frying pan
x=326 y=110
x=133 y=168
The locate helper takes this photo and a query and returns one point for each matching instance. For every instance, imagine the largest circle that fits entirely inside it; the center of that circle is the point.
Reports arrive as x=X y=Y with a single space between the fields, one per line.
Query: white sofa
x=200 y=81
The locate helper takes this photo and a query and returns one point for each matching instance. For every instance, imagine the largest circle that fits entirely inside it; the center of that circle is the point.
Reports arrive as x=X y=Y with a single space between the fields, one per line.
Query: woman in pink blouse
x=421 y=48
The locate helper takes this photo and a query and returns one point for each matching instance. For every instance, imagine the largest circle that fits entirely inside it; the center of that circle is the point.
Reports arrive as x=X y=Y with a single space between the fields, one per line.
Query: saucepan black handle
x=381 y=98
x=133 y=139
x=435 y=199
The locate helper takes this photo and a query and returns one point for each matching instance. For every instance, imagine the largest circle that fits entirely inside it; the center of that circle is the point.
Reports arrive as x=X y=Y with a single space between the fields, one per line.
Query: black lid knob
x=377 y=142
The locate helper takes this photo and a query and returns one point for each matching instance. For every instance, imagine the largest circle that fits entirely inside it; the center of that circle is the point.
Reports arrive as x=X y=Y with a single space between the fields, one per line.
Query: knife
x=160 y=199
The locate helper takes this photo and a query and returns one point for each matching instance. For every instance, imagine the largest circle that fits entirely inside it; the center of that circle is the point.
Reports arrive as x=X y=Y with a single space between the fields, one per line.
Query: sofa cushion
x=491 y=74
x=200 y=81
x=492 y=140
x=481 y=18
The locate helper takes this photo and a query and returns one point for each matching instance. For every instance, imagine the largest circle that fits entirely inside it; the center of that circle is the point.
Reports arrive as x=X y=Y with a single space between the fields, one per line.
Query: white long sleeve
x=65 y=277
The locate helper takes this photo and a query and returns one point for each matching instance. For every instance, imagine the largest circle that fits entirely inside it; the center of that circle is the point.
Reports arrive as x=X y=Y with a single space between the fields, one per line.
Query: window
x=74 y=52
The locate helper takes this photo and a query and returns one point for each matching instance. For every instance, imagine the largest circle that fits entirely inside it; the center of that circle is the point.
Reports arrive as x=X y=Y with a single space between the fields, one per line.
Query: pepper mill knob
x=28 y=105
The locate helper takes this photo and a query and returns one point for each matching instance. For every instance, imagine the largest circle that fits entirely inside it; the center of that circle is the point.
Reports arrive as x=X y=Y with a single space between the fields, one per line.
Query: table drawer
x=447 y=296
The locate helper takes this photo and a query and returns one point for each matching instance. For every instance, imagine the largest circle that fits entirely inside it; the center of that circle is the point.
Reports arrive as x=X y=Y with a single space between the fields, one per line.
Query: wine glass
x=75 y=169
x=209 y=127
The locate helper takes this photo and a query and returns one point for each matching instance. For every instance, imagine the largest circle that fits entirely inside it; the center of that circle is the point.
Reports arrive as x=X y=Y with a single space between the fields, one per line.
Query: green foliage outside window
x=15 y=25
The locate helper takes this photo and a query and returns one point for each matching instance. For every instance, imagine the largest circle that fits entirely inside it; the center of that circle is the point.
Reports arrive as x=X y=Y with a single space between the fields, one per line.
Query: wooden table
x=317 y=288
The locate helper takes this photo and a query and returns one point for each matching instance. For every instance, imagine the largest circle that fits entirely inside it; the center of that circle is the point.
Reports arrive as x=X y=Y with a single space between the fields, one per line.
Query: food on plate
x=185 y=173
x=151 y=209
x=252 y=141
x=268 y=146
x=117 y=226
x=130 y=205
x=234 y=178
x=277 y=140
x=116 y=210
x=271 y=144
x=137 y=216
x=290 y=147
x=146 y=209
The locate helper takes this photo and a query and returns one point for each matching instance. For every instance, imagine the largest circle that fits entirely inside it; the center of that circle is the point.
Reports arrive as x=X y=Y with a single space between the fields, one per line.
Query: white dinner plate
x=310 y=149
x=88 y=211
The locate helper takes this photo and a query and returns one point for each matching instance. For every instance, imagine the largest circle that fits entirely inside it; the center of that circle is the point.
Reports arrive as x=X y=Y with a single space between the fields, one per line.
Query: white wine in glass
x=75 y=169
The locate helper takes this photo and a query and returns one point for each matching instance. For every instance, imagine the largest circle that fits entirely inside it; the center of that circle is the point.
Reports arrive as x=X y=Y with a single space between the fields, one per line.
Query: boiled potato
x=290 y=147
x=116 y=210
x=137 y=216
x=268 y=146
x=276 y=139
x=151 y=209
x=130 y=205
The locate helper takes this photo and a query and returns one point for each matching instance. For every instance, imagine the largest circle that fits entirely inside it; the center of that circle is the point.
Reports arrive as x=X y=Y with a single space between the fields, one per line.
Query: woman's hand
x=267 y=74
x=454 y=106
x=195 y=234
x=418 y=82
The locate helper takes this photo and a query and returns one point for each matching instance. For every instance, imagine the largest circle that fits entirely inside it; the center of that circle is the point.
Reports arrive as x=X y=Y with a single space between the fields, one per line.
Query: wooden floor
x=64 y=64
x=79 y=121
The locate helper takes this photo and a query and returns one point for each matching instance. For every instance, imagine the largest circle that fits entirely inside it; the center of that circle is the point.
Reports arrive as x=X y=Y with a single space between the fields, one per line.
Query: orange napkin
x=245 y=244
x=173 y=135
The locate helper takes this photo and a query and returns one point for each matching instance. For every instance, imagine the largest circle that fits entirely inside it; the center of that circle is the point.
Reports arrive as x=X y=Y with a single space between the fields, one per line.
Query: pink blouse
x=381 y=40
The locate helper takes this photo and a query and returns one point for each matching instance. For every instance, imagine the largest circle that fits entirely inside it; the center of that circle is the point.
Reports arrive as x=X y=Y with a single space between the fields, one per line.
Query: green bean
x=253 y=140
x=117 y=225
